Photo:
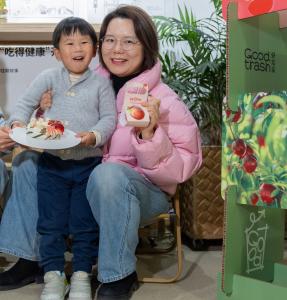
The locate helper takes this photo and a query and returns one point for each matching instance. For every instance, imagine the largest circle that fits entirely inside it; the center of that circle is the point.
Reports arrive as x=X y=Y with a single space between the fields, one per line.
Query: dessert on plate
x=46 y=129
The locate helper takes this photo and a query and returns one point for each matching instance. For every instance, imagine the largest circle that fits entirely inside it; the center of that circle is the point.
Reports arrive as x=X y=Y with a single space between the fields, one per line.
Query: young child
x=86 y=101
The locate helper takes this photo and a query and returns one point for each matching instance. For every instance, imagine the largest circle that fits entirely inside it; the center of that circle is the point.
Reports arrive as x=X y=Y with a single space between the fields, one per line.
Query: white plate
x=67 y=140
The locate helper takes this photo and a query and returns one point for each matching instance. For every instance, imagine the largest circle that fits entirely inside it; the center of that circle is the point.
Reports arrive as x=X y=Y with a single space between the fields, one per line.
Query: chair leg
x=178 y=249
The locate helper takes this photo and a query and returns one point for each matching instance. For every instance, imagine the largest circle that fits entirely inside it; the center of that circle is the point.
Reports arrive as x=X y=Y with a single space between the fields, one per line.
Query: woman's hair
x=69 y=26
x=144 y=30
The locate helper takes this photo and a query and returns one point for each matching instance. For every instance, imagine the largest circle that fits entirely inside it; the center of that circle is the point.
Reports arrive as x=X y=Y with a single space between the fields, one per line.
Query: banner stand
x=254 y=156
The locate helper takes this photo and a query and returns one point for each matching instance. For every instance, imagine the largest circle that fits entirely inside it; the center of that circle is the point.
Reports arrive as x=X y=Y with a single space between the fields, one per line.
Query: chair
x=174 y=217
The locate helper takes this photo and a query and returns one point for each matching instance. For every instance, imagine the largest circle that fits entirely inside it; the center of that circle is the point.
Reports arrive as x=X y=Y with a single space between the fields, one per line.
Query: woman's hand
x=87 y=138
x=152 y=106
x=5 y=141
x=46 y=100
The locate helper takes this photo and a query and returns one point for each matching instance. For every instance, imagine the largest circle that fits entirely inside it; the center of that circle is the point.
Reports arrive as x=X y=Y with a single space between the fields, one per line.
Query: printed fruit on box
x=136 y=112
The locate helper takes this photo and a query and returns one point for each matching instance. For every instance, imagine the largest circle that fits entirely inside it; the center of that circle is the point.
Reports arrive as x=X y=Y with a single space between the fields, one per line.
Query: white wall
x=96 y=9
x=200 y=8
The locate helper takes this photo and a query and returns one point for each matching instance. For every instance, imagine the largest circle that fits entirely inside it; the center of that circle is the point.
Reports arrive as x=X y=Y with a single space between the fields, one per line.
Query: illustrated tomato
x=249 y=163
x=136 y=112
x=239 y=147
x=265 y=192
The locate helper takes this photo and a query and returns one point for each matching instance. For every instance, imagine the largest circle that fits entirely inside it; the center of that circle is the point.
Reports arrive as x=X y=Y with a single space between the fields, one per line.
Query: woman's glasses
x=109 y=42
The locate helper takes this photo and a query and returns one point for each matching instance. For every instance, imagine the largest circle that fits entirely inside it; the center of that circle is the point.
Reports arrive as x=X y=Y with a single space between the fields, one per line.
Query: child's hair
x=70 y=25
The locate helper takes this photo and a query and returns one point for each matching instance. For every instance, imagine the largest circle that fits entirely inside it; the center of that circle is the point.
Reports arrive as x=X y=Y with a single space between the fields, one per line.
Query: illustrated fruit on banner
x=255 y=147
x=251 y=8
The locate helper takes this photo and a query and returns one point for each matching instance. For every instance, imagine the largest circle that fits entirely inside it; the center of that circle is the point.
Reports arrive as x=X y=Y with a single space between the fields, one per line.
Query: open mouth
x=78 y=58
x=118 y=60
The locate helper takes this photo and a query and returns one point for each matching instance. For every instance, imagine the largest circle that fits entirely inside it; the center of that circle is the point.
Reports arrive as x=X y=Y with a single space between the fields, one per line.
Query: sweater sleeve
x=174 y=153
x=107 y=112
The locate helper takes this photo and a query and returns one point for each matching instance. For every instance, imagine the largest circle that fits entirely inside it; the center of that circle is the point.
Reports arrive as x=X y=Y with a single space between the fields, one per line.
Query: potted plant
x=3 y=10
x=194 y=65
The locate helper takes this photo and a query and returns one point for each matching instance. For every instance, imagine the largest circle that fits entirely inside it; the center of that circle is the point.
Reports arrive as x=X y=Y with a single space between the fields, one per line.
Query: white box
x=136 y=114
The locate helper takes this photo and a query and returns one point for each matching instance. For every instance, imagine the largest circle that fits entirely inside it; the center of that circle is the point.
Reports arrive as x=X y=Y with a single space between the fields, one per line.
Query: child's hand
x=87 y=138
x=46 y=100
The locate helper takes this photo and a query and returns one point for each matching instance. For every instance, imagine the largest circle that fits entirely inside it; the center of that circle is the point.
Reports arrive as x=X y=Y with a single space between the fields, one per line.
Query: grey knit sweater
x=87 y=105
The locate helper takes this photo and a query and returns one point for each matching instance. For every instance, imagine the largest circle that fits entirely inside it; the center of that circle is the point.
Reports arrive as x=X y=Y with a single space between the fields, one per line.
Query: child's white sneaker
x=80 y=286
x=56 y=286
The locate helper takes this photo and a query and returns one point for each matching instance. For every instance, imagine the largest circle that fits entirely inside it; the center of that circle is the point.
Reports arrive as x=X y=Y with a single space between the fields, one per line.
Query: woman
x=141 y=166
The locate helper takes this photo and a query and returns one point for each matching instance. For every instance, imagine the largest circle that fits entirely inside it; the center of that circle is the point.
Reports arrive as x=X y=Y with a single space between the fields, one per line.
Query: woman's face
x=119 y=61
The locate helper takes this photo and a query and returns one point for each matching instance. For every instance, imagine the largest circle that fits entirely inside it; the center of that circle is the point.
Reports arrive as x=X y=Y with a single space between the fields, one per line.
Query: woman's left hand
x=152 y=106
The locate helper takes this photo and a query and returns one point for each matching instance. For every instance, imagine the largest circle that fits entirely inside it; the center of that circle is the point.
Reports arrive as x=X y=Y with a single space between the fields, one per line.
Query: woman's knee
x=108 y=174
x=106 y=181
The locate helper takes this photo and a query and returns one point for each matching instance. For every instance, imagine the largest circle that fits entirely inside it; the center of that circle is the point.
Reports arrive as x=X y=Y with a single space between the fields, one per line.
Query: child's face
x=76 y=52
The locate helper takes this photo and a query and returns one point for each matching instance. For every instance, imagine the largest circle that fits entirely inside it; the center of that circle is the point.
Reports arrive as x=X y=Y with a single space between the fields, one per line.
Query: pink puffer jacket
x=174 y=153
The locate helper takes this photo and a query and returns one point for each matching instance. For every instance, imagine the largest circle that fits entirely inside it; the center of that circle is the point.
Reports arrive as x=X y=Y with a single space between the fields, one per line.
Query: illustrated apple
x=249 y=163
x=136 y=112
x=239 y=148
x=265 y=191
